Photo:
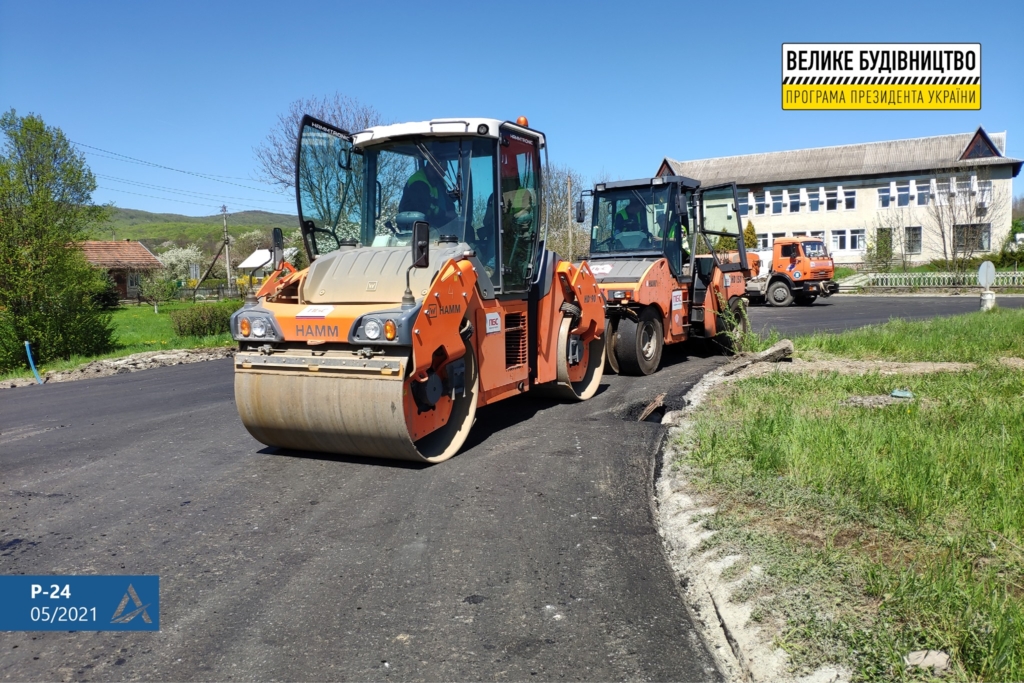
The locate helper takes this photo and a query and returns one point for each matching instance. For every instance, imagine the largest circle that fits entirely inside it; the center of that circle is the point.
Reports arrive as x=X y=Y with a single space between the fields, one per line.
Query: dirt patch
x=872 y=401
x=1010 y=362
x=844 y=366
x=133 y=363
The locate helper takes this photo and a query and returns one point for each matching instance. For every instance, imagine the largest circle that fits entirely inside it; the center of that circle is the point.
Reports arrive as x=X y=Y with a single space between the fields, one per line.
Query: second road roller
x=429 y=293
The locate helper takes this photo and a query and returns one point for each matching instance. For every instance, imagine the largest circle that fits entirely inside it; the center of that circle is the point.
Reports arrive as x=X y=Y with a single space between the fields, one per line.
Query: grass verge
x=138 y=329
x=879 y=530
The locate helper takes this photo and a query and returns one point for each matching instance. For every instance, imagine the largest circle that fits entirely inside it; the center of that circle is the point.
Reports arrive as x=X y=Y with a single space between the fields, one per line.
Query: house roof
x=940 y=152
x=121 y=254
x=262 y=257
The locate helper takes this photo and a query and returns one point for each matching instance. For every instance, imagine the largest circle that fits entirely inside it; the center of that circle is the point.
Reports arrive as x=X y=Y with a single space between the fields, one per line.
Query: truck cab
x=800 y=270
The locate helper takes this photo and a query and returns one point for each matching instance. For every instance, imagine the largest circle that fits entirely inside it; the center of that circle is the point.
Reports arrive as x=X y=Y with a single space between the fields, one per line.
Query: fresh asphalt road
x=532 y=553
x=842 y=312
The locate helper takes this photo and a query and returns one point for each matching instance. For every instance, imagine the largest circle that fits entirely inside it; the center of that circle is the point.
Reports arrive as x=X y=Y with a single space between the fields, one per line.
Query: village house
x=125 y=261
x=921 y=197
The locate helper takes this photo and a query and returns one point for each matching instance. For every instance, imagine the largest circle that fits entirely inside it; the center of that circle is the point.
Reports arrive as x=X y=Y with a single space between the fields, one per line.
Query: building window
x=776 y=203
x=762 y=240
x=799 y=234
x=743 y=207
x=820 y=234
x=838 y=240
x=794 y=202
x=759 y=205
x=970 y=238
x=830 y=201
x=857 y=240
x=912 y=239
x=851 y=199
x=903 y=195
x=777 y=235
x=134 y=280
x=922 y=194
x=883 y=198
x=814 y=202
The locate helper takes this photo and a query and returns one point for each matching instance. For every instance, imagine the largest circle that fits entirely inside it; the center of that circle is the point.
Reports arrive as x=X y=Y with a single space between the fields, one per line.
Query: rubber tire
x=611 y=363
x=806 y=300
x=629 y=346
x=774 y=290
x=723 y=341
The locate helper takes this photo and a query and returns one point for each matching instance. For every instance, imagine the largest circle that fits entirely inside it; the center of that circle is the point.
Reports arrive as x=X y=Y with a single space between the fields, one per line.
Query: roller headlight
x=619 y=294
x=371 y=328
x=259 y=327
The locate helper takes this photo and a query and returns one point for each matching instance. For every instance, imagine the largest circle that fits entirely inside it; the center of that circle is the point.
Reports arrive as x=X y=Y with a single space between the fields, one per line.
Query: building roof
x=940 y=152
x=262 y=257
x=121 y=254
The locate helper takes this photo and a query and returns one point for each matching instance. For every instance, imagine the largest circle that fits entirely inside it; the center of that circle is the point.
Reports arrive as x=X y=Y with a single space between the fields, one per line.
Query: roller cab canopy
x=666 y=216
x=477 y=182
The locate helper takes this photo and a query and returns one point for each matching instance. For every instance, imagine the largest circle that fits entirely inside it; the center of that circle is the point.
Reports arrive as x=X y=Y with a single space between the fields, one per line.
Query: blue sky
x=615 y=85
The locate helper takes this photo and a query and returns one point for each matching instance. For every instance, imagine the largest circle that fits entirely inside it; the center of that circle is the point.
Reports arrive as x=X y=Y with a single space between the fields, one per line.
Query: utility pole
x=227 y=250
x=568 y=182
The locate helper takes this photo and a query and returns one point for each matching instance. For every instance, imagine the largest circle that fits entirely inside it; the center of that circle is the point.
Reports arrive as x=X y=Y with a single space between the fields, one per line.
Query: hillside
x=153 y=229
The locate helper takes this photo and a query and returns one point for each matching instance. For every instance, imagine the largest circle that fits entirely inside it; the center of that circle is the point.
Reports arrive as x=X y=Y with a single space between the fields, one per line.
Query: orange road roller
x=429 y=293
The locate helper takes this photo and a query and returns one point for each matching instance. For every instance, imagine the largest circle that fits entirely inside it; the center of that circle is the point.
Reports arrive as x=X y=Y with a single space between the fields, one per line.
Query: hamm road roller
x=664 y=279
x=429 y=293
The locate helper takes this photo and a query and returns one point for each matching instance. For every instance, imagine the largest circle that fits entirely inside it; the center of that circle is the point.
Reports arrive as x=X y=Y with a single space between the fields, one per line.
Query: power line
x=200 y=195
x=180 y=201
x=123 y=157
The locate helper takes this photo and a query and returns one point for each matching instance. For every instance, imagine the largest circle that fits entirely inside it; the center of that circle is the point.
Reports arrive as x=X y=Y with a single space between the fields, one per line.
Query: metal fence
x=1003 y=279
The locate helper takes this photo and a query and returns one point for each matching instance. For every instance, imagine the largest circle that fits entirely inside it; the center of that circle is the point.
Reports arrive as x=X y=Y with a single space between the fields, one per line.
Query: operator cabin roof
x=892 y=157
x=126 y=255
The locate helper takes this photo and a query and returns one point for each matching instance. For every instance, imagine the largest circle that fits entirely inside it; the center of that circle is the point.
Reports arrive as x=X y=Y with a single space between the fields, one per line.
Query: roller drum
x=346 y=413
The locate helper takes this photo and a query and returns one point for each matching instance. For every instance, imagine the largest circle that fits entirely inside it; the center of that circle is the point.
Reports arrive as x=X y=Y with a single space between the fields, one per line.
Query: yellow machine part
x=344 y=406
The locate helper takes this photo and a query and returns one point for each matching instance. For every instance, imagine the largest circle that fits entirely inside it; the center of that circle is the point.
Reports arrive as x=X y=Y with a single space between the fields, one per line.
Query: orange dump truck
x=429 y=294
x=800 y=270
x=652 y=250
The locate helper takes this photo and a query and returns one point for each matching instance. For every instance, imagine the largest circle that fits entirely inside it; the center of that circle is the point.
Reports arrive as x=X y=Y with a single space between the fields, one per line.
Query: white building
x=923 y=196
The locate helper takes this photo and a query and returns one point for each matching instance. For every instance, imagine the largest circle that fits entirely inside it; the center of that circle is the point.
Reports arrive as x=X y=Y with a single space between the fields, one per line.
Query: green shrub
x=203 y=320
x=109 y=296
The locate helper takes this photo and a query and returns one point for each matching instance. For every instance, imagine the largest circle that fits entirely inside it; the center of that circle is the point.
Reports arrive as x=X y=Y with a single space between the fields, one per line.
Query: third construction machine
x=655 y=252
x=429 y=293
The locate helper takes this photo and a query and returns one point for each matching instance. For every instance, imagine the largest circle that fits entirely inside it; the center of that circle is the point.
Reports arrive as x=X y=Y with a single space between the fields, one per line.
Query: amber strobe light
x=523 y=121
x=244 y=327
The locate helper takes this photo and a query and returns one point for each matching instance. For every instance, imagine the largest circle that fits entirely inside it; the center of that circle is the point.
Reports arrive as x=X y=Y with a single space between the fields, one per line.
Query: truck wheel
x=638 y=345
x=779 y=294
x=806 y=300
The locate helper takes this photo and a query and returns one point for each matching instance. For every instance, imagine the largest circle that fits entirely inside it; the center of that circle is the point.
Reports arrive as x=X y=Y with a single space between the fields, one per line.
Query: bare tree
x=1018 y=208
x=890 y=245
x=566 y=237
x=276 y=155
x=966 y=204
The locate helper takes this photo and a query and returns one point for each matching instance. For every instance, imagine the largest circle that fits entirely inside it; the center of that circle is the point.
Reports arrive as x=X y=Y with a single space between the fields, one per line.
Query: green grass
x=138 y=329
x=886 y=530
x=843 y=271
x=971 y=337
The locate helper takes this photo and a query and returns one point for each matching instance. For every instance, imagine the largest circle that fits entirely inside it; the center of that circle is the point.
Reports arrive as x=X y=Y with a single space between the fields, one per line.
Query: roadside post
x=986 y=277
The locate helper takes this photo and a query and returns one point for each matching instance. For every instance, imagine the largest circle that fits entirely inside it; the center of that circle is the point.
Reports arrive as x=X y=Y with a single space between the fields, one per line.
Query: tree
x=888 y=245
x=276 y=155
x=961 y=215
x=47 y=288
x=749 y=236
x=177 y=260
x=566 y=237
x=158 y=286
